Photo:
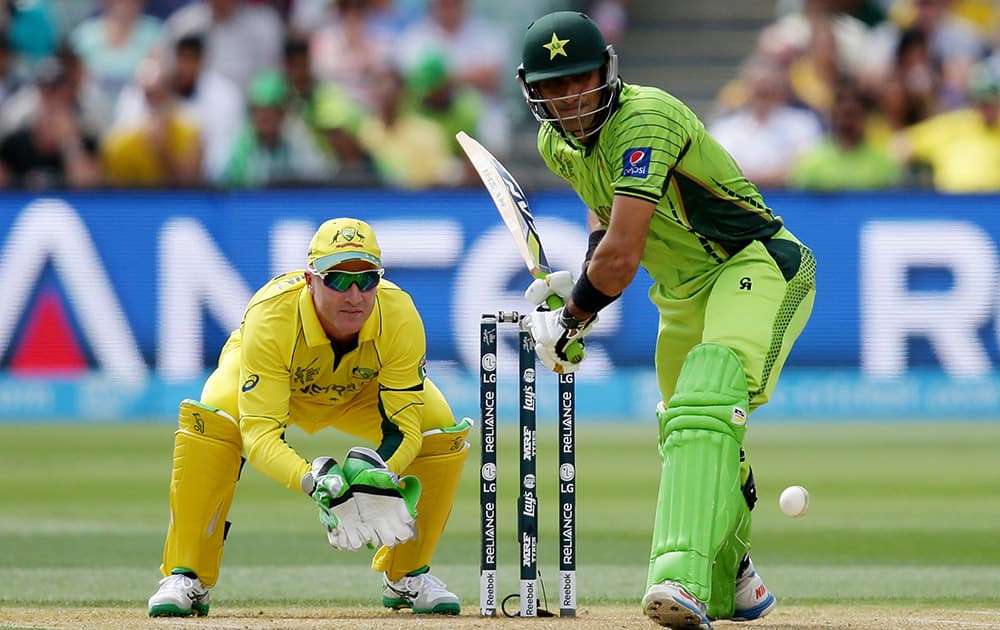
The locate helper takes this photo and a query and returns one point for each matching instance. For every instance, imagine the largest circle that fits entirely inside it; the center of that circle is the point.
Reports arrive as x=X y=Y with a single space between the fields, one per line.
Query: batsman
x=334 y=345
x=733 y=287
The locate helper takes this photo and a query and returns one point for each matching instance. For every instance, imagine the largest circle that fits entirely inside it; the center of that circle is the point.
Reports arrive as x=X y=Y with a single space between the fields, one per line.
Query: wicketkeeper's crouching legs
x=439 y=468
x=207 y=463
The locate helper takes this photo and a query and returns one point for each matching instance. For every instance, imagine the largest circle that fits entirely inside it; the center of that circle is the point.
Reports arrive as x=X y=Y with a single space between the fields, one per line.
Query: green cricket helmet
x=564 y=44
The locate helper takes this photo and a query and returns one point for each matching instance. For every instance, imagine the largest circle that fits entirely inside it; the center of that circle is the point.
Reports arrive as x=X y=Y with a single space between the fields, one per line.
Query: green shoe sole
x=397 y=603
x=440 y=609
x=169 y=610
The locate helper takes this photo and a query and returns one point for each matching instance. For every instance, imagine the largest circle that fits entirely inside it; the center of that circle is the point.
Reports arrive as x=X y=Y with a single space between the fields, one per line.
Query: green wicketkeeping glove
x=338 y=510
x=387 y=503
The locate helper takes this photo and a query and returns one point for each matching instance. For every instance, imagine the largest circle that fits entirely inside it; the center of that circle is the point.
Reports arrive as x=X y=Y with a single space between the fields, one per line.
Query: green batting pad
x=702 y=520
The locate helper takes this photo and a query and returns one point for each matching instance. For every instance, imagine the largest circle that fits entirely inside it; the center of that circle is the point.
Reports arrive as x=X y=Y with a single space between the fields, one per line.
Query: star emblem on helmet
x=556 y=47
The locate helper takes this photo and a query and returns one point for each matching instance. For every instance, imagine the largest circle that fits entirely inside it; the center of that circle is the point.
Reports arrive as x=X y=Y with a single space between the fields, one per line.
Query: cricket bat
x=513 y=208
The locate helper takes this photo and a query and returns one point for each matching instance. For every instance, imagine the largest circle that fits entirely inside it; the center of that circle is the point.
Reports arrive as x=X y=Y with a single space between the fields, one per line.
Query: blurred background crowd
x=833 y=94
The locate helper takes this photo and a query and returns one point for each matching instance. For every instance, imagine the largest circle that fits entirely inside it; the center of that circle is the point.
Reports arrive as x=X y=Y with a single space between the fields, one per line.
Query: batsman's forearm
x=611 y=271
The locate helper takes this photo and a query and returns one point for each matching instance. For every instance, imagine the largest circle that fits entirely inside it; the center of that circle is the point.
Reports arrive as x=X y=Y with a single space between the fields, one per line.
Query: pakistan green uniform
x=734 y=288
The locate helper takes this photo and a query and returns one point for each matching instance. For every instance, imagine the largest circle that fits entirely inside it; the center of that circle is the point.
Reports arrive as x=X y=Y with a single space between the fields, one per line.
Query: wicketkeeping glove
x=386 y=502
x=553 y=332
x=338 y=509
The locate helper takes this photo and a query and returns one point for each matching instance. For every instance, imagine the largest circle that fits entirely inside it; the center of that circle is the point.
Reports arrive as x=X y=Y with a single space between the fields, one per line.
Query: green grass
x=900 y=514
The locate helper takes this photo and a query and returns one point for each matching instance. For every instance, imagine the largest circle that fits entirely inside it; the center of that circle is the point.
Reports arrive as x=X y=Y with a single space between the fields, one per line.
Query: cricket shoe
x=669 y=605
x=179 y=596
x=752 y=598
x=423 y=592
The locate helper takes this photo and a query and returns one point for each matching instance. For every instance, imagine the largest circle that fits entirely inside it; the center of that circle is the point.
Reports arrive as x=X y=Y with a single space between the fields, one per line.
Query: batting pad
x=207 y=448
x=439 y=468
x=700 y=509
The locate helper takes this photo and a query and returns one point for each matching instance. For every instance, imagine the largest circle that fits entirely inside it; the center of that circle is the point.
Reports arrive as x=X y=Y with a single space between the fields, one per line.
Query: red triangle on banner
x=48 y=344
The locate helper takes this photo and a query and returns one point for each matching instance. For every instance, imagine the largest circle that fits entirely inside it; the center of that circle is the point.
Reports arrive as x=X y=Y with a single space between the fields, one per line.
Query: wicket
x=527 y=524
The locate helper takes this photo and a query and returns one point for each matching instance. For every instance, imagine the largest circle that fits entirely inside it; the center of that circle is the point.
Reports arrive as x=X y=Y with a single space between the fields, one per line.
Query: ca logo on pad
x=739 y=416
x=635 y=162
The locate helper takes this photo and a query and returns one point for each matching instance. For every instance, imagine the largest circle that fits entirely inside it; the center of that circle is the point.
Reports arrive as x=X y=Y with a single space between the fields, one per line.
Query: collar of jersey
x=313 y=329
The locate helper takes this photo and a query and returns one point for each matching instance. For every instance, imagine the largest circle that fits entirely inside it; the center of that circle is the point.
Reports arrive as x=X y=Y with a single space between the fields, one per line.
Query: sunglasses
x=341 y=281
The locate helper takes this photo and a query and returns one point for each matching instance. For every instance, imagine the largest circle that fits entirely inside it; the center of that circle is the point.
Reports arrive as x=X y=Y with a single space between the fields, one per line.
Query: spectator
x=112 y=43
x=275 y=147
x=453 y=107
x=51 y=149
x=11 y=76
x=329 y=112
x=767 y=134
x=93 y=111
x=818 y=43
x=962 y=147
x=952 y=42
x=409 y=150
x=242 y=39
x=211 y=100
x=31 y=29
x=163 y=148
x=475 y=53
x=981 y=15
x=846 y=160
x=910 y=93
x=348 y=51
x=870 y=12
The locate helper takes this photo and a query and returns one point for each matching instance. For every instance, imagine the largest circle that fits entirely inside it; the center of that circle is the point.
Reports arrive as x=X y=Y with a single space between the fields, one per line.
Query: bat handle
x=574 y=351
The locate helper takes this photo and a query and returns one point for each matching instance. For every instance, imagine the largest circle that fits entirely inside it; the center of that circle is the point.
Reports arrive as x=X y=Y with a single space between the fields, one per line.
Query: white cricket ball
x=794 y=501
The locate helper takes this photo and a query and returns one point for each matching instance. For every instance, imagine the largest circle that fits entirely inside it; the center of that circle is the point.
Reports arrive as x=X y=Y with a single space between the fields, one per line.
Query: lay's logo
x=635 y=162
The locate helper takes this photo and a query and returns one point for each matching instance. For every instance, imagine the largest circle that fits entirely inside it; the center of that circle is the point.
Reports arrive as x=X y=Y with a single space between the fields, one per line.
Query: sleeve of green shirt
x=652 y=130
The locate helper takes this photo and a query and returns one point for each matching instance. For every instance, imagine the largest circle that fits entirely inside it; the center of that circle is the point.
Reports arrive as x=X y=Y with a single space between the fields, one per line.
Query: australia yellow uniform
x=279 y=369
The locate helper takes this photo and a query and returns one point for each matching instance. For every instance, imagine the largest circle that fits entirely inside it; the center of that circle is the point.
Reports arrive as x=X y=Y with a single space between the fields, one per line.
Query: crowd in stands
x=249 y=93
x=837 y=94
x=869 y=94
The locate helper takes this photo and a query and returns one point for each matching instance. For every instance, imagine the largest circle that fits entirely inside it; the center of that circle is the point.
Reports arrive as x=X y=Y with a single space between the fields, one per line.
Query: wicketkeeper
x=338 y=346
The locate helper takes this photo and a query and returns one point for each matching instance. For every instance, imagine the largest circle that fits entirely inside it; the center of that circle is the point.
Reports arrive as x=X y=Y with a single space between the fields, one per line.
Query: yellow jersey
x=290 y=373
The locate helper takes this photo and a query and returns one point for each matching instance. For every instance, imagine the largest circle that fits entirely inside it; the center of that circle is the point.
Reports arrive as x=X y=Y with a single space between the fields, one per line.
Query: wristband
x=570 y=322
x=588 y=298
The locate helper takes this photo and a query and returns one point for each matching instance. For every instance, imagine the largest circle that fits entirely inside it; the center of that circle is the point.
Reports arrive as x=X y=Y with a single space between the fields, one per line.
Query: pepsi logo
x=636 y=162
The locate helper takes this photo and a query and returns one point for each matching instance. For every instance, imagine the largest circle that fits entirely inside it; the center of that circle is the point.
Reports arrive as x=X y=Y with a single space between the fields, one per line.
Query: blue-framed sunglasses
x=341 y=281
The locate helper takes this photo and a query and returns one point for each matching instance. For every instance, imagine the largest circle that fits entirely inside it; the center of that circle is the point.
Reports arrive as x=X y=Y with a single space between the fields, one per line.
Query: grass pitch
x=902 y=516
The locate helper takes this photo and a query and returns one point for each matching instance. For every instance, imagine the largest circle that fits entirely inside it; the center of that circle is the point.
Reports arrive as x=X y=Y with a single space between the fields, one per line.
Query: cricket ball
x=794 y=501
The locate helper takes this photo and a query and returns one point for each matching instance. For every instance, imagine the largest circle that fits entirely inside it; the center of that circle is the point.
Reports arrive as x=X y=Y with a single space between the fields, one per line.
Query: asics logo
x=403 y=593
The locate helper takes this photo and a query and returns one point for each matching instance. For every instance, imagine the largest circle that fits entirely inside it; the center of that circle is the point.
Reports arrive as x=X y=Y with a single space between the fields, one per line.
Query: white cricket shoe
x=669 y=605
x=423 y=593
x=179 y=596
x=752 y=598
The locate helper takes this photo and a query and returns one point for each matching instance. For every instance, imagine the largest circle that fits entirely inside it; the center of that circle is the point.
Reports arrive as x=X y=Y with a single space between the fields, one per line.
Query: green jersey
x=655 y=148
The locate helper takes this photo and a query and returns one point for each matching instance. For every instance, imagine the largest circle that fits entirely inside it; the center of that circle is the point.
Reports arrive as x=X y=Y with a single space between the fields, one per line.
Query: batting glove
x=386 y=502
x=550 y=292
x=338 y=509
x=556 y=331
